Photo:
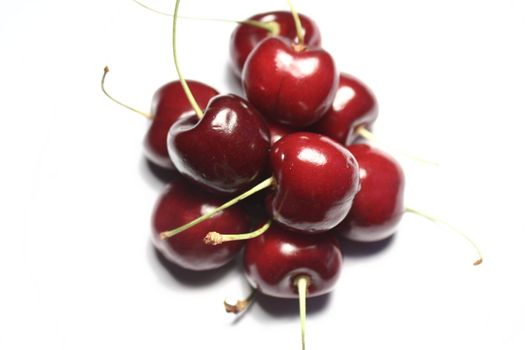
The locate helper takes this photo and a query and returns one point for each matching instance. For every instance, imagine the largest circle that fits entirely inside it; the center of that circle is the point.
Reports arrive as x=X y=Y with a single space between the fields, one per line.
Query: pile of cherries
x=294 y=133
x=293 y=143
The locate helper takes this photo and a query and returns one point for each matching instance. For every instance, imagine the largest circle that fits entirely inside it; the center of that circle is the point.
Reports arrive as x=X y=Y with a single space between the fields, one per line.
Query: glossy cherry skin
x=316 y=180
x=291 y=85
x=278 y=131
x=245 y=36
x=181 y=203
x=378 y=207
x=224 y=152
x=354 y=105
x=275 y=259
x=169 y=105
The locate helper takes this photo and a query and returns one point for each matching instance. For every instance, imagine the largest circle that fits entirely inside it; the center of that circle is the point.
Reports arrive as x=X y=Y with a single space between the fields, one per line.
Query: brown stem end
x=213 y=238
x=236 y=308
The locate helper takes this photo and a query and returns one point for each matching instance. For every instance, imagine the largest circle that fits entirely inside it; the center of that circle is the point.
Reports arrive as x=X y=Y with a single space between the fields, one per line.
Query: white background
x=77 y=270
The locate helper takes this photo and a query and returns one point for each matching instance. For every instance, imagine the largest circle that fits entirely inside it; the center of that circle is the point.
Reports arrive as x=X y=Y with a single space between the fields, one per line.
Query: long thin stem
x=302 y=282
x=298 y=25
x=103 y=87
x=215 y=238
x=437 y=220
x=261 y=186
x=271 y=26
x=185 y=86
x=363 y=132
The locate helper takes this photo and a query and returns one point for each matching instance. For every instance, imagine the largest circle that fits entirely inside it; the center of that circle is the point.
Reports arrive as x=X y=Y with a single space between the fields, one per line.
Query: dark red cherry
x=169 y=105
x=316 y=180
x=378 y=207
x=245 y=36
x=289 y=83
x=181 y=203
x=278 y=131
x=275 y=259
x=354 y=105
x=225 y=151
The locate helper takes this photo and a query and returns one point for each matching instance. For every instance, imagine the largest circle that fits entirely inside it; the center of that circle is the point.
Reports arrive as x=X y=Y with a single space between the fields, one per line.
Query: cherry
x=378 y=207
x=226 y=150
x=169 y=105
x=316 y=180
x=283 y=264
x=354 y=106
x=274 y=260
x=246 y=36
x=180 y=203
x=290 y=83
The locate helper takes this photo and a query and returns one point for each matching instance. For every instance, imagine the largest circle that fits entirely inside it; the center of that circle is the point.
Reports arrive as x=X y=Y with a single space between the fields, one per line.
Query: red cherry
x=378 y=207
x=225 y=151
x=180 y=203
x=316 y=180
x=354 y=106
x=278 y=131
x=245 y=36
x=169 y=105
x=292 y=84
x=275 y=259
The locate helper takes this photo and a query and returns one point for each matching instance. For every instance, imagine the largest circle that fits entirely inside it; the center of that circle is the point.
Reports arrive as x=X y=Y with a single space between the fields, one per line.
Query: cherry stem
x=271 y=27
x=437 y=220
x=185 y=86
x=216 y=238
x=240 y=305
x=298 y=25
x=363 y=132
x=261 y=186
x=102 y=85
x=302 y=282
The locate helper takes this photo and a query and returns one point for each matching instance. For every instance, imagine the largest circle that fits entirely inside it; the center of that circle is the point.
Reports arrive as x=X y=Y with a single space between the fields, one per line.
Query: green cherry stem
x=261 y=186
x=298 y=25
x=363 y=132
x=216 y=238
x=271 y=27
x=302 y=282
x=437 y=220
x=185 y=87
x=103 y=87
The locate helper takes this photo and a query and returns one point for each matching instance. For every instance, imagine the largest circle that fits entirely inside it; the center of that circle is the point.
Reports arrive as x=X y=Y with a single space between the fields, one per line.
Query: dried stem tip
x=213 y=238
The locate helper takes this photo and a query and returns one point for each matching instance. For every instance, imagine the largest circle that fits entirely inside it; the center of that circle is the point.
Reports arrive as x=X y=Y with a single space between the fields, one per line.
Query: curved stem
x=450 y=226
x=102 y=85
x=298 y=25
x=152 y=9
x=363 y=132
x=215 y=238
x=185 y=87
x=271 y=26
x=240 y=305
x=302 y=282
x=261 y=186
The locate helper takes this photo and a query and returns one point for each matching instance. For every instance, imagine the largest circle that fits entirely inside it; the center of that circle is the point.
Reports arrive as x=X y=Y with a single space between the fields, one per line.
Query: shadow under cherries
x=362 y=249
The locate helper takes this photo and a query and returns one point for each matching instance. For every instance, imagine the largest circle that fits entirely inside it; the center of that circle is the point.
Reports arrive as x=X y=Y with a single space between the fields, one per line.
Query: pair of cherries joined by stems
x=299 y=123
